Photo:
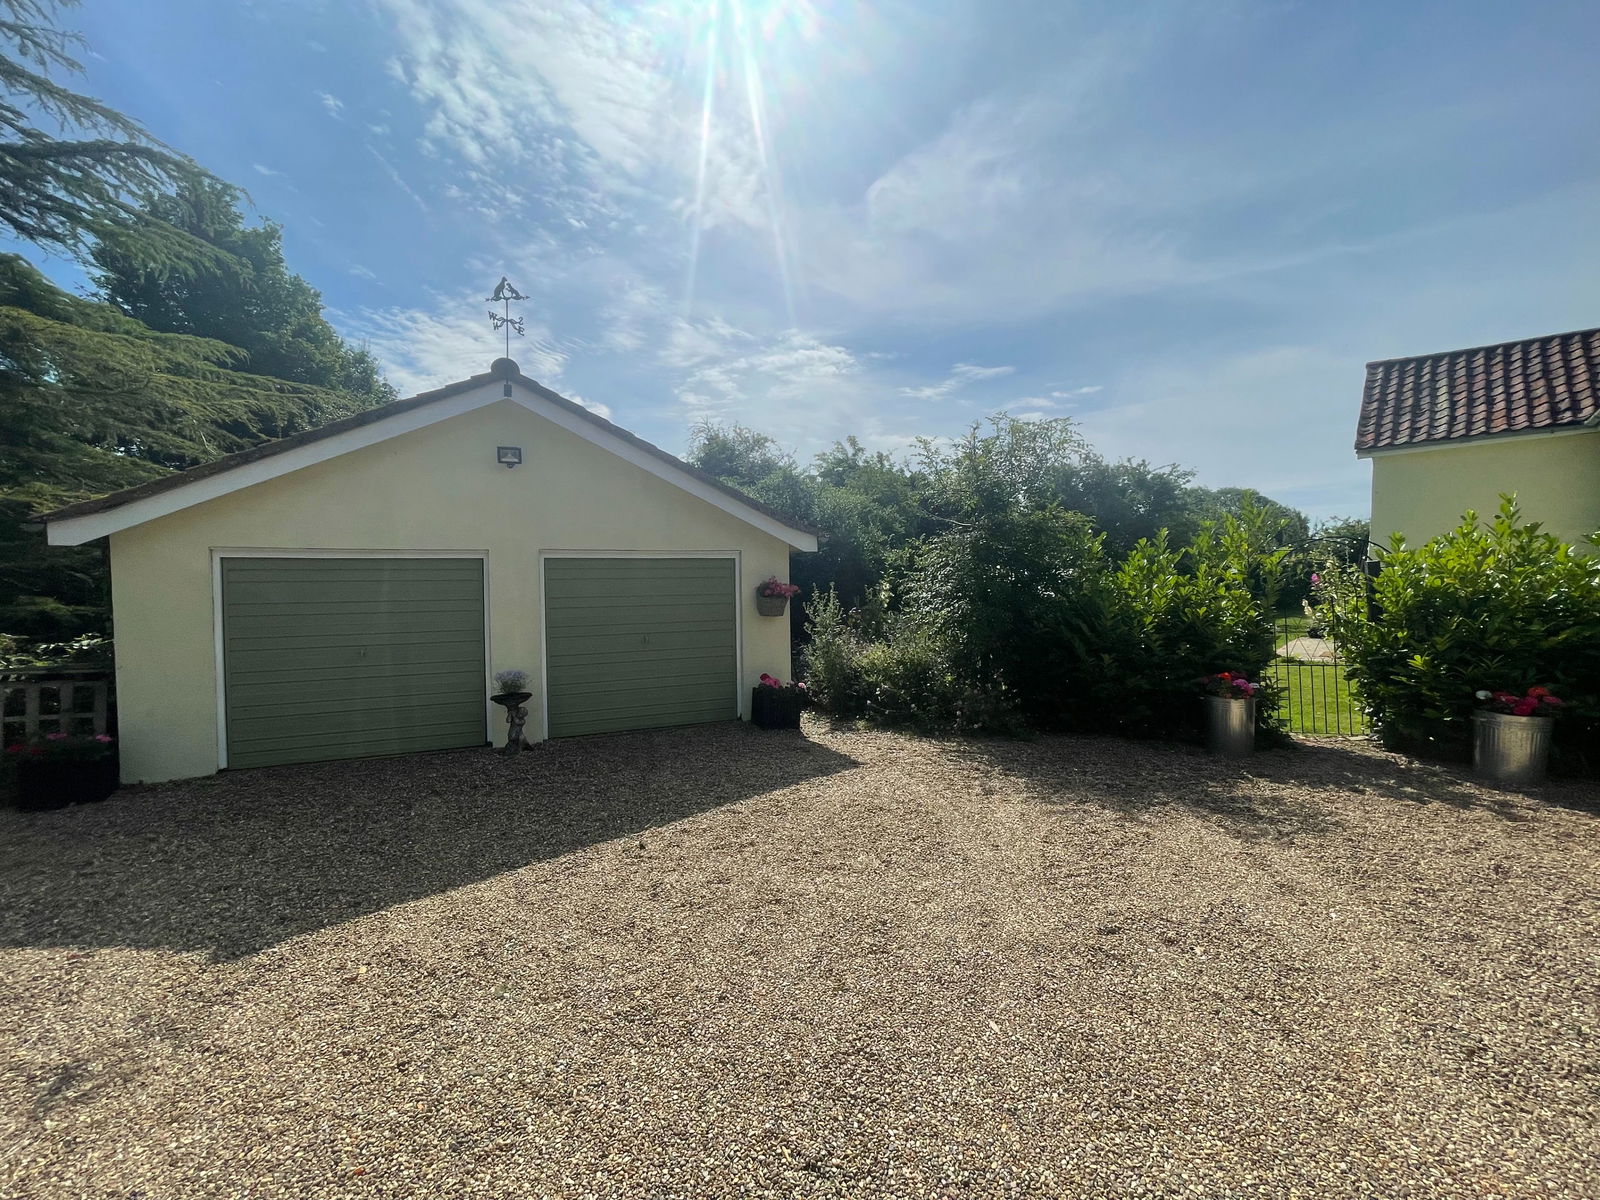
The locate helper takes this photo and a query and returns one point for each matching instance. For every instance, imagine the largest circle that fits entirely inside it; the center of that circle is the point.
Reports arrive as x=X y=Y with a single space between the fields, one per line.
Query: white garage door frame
x=738 y=617
x=218 y=553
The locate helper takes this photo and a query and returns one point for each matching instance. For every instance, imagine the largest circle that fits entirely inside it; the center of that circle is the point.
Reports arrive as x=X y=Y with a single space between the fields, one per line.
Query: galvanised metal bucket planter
x=1230 y=726
x=1509 y=749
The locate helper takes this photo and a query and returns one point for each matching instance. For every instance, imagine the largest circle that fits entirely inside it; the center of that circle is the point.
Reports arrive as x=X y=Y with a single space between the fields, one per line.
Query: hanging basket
x=771 y=606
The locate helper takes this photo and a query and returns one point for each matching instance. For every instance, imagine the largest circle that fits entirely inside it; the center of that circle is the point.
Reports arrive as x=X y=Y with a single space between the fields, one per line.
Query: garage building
x=349 y=591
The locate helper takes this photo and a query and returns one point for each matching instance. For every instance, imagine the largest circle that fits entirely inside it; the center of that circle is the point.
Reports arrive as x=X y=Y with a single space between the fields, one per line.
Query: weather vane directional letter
x=504 y=293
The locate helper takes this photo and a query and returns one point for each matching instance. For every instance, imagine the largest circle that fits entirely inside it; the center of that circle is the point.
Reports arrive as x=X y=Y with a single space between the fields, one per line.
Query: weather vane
x=504 y=293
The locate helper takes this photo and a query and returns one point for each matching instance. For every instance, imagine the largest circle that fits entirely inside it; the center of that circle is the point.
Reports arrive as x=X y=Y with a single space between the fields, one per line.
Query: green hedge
x=1500 y=605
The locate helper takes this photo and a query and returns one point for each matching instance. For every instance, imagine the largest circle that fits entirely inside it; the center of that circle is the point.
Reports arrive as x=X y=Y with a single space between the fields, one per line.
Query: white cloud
x=580 y=94
x=601 y=410
x=265 y=170
x=961 y=375
x=1035 y=197
x=1067 y=398
x=692 y=343
x=634 y=312
x=794 y=385
x=420 y=349
x=332 y=103
x=393 y=173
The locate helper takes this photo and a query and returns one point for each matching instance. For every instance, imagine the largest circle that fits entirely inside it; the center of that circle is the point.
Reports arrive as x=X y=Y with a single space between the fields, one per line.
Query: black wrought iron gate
x=1316 y=698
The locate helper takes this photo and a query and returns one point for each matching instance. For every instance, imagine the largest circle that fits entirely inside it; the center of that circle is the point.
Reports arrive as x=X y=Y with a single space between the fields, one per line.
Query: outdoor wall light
x=508 y=456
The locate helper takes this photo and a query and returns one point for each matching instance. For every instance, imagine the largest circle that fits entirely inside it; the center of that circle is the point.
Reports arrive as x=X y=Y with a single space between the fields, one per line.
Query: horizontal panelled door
x=348 y=657
x=639 y=643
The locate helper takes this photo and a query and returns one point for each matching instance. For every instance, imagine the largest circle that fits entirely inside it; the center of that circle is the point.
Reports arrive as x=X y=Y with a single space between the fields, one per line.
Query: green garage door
x=346 y=657
x=637 y=643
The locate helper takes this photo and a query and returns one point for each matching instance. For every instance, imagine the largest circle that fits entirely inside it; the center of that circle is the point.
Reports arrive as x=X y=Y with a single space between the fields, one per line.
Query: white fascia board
x=74 y=531
x=646 y=461
x=1481 y=439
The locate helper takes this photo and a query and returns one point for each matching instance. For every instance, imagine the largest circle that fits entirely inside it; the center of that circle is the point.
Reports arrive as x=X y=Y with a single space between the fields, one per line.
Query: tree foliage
x=873 y=507
x=246 y=298
x=92 y=401
x=209 y=344
x=1003 y=609
x=99 y=172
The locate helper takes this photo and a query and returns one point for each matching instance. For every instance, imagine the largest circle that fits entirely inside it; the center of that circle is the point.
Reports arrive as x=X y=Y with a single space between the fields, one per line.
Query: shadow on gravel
x=1273 y=795
x=240 y=861
x=1327 y=762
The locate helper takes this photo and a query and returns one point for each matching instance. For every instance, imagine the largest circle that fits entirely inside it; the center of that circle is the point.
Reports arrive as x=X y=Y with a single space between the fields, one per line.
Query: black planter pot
x=773 y=708
x=42 y=784
x=511 y=699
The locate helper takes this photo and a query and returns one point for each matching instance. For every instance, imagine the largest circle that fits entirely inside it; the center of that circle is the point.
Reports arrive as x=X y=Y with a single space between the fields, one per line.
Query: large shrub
x=906 y=676
x=1501 y=605
x=1014 y=603
x=1015 y=619
x=832 y=660
x=1180 y=615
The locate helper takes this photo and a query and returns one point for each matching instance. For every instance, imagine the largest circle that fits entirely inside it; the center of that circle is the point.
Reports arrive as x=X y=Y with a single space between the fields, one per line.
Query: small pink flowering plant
x=793 y=687
x=1537 y=702
x=777 y=588
x=65 y=747
x=1234 y=685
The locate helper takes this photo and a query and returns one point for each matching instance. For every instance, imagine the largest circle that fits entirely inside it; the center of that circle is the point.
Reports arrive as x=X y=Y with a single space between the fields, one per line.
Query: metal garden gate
x=1316 y=698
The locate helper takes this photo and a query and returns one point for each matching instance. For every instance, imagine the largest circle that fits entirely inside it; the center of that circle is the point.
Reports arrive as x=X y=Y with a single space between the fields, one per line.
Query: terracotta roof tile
x=1514 y=387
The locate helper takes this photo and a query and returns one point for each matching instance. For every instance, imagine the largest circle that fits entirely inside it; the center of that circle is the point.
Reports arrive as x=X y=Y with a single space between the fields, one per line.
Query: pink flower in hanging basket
x=775 y=588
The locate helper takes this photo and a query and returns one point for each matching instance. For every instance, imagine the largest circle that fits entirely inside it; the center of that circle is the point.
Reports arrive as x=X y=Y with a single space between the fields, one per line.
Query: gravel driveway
x=722 y=963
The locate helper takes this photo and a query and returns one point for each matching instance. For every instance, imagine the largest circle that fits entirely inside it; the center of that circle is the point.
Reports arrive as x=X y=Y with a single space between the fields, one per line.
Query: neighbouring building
x=1453 y=431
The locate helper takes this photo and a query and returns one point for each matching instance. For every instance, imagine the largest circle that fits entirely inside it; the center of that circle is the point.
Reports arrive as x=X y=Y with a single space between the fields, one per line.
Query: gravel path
x=722 y=963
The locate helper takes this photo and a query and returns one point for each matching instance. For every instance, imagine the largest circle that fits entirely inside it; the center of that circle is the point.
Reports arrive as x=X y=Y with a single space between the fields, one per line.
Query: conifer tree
x=91 y=398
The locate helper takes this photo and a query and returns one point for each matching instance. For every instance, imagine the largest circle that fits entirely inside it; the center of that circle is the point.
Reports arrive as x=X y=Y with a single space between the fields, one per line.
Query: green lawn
x=1316 y=697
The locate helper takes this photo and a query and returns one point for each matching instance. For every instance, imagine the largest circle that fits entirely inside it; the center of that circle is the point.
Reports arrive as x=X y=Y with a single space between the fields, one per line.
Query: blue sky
x=1185 y=225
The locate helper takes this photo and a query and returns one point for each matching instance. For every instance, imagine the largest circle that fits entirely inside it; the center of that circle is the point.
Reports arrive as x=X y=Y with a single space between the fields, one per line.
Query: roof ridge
x=1543 y=337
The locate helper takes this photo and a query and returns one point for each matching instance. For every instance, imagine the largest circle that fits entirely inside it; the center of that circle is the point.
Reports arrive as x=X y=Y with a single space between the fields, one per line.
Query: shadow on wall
x=1272 y=795
x=238 y=862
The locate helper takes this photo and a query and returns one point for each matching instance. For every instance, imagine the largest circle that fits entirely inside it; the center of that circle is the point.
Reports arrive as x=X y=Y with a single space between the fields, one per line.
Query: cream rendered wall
x=1422 y=493
x=438 y=488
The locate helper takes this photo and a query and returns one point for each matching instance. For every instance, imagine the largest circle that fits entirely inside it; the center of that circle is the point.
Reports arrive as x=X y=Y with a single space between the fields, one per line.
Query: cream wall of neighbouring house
x=438 y=488
x=1423 y=492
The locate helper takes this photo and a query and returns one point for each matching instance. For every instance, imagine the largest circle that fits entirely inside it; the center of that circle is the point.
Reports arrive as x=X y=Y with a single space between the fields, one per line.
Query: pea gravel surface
x=717 y=962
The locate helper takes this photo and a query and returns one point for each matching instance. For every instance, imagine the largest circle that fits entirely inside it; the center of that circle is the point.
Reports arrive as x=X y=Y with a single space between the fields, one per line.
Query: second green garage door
x=639 y=643
x=347 y=657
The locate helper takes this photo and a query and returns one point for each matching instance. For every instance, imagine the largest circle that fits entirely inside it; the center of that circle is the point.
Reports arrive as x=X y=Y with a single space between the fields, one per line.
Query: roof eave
x=1479 y=439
